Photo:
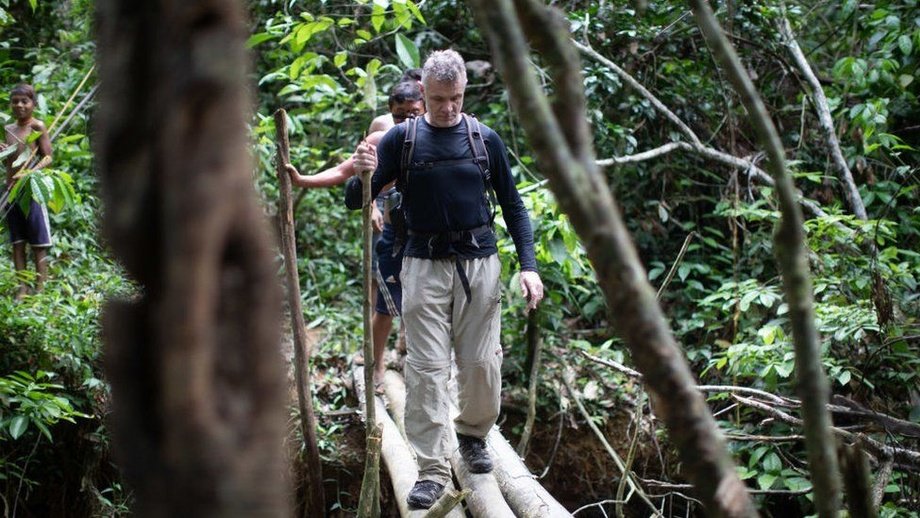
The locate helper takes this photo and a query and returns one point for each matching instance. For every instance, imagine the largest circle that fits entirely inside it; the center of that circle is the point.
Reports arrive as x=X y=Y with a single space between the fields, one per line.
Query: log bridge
x=510 y=491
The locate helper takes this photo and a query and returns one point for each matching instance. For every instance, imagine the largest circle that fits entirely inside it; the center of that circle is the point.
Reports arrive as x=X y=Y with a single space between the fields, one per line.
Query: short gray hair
x=445 y=66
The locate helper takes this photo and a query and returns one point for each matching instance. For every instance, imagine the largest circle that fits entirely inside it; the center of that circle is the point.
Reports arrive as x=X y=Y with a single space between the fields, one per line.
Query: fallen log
x=396 y=454
x=526 y=497
x=485 y=499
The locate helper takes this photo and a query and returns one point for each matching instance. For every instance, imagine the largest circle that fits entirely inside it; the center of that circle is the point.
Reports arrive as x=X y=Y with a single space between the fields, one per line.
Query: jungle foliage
x=330 y=64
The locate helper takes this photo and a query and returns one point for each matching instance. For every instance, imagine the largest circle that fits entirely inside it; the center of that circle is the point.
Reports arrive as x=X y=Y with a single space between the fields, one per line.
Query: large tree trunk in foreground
x=193 y=359
x=791 y=256
x=562 y=142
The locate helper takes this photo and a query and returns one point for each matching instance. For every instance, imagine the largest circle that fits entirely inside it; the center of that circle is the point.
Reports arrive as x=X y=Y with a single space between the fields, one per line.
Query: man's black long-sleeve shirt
x=445 y=192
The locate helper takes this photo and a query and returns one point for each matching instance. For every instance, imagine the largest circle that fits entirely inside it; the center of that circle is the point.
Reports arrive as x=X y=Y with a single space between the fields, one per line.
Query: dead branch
x=446 y=503
x=645 y=155
x=857 y=480
x=826 y=121
x=534 y=346
x=695 y=144
x=881 y=481
x=671 y=486
x=673 y=270
x=624 y=471
x=905 y=457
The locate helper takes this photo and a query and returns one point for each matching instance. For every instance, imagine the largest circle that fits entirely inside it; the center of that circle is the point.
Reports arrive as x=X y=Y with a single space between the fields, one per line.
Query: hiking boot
x=473 y=451
x=424 y=494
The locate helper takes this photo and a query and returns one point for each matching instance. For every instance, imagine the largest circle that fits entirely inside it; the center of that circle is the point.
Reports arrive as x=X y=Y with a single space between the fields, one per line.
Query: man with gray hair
x=450 y=274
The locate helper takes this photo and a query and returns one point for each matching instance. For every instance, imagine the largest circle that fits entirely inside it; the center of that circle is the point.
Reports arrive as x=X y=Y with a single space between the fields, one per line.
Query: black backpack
x=396 y=210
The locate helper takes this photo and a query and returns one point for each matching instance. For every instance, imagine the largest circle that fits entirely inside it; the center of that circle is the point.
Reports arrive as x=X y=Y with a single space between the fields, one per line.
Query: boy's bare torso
x=17 y=134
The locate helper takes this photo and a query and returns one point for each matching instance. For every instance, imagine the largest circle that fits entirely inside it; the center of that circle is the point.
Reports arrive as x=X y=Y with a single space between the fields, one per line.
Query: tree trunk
x=315 y=501
x=791 y=256
x=193 y=358
x=563 y=145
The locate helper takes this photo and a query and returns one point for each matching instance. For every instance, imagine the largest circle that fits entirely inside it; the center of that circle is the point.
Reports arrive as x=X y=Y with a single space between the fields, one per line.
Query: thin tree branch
x=907 y=458
x=637 y=86
x=673 y=270
x=645 y=155
x=624 y=471
x=854 y=200
x=792 y=259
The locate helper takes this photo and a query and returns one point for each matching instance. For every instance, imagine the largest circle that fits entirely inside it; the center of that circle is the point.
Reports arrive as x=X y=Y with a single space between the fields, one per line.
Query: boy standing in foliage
x=32 y=227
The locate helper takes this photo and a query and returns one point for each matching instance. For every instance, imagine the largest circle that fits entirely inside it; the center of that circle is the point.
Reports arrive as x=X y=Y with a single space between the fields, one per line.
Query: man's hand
x=377 y=218
x=292 y=171
x=365 y=157
x=531 y=289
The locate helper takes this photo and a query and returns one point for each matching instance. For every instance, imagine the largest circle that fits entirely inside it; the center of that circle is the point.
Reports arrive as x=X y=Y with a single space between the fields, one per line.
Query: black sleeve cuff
x=353 y=191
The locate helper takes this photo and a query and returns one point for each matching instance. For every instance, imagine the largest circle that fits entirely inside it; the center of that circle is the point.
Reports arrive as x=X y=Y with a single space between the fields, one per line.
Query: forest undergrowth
x=329 y=64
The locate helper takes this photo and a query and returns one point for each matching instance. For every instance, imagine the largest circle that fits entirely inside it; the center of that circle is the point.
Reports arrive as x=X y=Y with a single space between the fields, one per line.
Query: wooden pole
x=313 y=472
x=369 y=505
x=534 y=344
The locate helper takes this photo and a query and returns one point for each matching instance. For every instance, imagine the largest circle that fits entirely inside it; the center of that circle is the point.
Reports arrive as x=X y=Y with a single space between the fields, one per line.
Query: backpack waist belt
x=450 y=237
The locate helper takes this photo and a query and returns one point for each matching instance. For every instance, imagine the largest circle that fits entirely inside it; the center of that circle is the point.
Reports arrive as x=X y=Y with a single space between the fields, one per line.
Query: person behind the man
x=405 y=102
x=387 y=120
x=450 y=274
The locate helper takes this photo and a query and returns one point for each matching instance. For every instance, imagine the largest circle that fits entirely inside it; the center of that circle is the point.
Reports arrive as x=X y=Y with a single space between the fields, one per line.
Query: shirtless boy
x=32 y=228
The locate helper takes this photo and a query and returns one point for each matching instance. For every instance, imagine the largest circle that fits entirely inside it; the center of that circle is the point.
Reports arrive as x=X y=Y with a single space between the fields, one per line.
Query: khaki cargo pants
x=437 y=316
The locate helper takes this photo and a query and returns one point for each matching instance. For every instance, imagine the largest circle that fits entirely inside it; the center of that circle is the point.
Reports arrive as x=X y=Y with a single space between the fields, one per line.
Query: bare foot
x=378 y=381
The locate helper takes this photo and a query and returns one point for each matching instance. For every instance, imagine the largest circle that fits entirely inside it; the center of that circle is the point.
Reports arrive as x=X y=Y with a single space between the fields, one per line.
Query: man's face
x=404 y=110
x=21 y=106
x=444 y=101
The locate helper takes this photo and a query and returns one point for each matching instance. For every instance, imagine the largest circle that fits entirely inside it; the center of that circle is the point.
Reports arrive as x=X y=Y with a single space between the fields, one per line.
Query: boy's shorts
x=34 y=229
x=389 y=289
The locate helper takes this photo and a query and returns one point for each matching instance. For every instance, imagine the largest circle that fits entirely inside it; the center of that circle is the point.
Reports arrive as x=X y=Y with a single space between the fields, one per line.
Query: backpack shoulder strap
x=407 y=151
x=478 y=145
x=481 y=157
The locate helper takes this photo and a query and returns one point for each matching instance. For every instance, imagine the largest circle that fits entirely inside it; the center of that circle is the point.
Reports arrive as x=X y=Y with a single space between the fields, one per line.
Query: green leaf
x=43 y=428
x=33 y=4
x=746 y=300
x=772 y=464
x=372 y=67
x=757 y=455
x=796 y=483
x=844 y=377
x=407 y=51
x=339 y=59
x=377 y=18
x=370 y=92
x=558 y=250
x=258 y=38
x=21 y=159
x=39 y=191
x=905 y=44
x=415 y=10
x=9 y=150
x=766 y=480
x=18 y=426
